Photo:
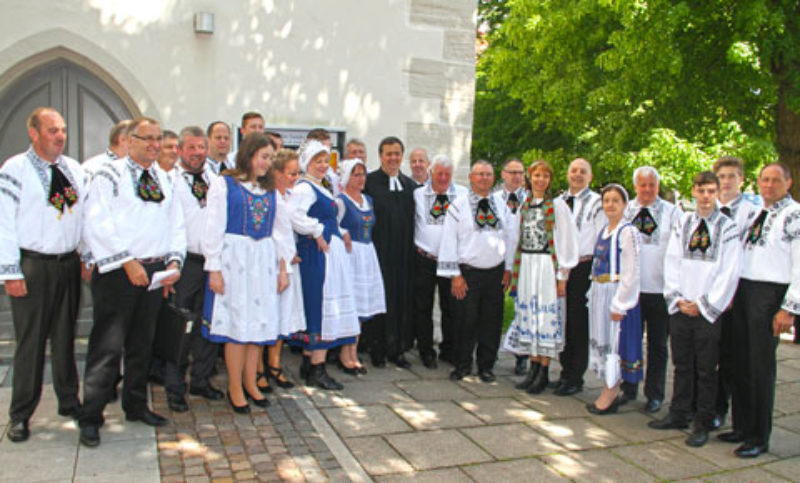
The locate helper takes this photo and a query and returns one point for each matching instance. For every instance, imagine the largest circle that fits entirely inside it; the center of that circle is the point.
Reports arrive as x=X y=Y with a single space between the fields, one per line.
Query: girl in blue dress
x=331 y=317
x=247 y=245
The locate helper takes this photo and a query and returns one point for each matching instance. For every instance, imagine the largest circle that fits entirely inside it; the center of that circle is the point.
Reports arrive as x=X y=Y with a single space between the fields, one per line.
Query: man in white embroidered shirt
x=117 y=148
x=701 y=270
x=134 y=229
x=766 y=304
x=42 y=196
x=477 y=253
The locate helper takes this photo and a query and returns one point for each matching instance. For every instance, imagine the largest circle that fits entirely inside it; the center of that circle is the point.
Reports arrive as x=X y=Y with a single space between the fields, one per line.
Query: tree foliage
x=629 y=82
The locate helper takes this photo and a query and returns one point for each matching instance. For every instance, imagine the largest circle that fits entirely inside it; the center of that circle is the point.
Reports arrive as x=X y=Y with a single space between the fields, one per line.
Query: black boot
x=521 y=365
x=305 y=366
x=318 y=377
x=540 y=381
x=533 y=370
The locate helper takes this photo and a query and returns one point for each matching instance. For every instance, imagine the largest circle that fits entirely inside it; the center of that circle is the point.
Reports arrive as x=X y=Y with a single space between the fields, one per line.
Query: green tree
x=626 y=82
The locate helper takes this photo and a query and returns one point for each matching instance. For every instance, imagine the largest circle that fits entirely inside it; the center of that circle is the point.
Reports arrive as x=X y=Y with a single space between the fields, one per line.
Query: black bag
x=173 y=329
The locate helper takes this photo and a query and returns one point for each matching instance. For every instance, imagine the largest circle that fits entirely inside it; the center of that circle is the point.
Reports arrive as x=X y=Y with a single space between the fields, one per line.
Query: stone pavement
x=397 y=425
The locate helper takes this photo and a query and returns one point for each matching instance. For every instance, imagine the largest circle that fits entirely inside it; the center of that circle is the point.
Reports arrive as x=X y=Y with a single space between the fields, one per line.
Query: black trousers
x=425 y=283
x=189 y=293
x=479 y=316
x=695 y=353
x=575 y=356
x=124 y=320
x=655 y=321
x=753 y=388
x=50 y=309
x=725 y=372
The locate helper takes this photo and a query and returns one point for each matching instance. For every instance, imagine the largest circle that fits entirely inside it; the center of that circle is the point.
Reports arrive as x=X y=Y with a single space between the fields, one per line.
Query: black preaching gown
x=391 y=334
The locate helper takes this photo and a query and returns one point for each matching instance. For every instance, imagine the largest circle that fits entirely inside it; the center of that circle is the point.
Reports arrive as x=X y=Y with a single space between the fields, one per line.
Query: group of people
x=270 y=246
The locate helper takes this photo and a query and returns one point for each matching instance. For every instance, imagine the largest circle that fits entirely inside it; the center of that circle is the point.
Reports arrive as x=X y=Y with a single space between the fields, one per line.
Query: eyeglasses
x=149 y=139
x=483 y=175
x=514 y=172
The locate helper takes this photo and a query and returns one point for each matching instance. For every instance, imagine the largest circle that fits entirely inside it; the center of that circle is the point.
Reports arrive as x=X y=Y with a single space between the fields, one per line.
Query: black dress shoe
x=18 y=432
x=718 y=421
x=539 y=383
x=521 y=365
x=653 y=405
x=379 y=362
x=177 y=403
x=401 y=362
x=90 y=436
x=148 y=417
x=748 y=450
x=670 y=421
x=244 y=409
x=362 y=370
x=353 y=371
x=731 y=437
x=429 y=362
x=555 y=384
x=279 y=377
x=71 y=412
x=611 y=409
x=207 y=392
x=698 y=438
x=262 y=403
x=486 y=375
x=567 y=389
x=533 y=370
x=458 y=374
x=318 y=377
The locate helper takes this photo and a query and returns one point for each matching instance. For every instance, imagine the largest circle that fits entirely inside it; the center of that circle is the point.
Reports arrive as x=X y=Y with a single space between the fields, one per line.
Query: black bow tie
x=62 y=194
x=757 y=228
x=440 y=205
x=701 y=238
x=147 y=188
x=570 y=202
x=513 y=202
x=645 y=222
x=726 y=210
x=485 y=215
x=199 y=188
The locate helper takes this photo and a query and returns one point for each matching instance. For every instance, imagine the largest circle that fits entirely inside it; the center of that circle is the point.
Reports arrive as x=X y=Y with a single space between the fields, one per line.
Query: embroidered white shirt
x=654 y=246
x=427 y=227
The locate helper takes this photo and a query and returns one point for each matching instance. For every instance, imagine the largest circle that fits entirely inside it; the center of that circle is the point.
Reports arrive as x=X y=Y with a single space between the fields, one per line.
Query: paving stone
x=361 y=394
x=720 y=453
x=501 y=410
x=596 y=466
x=436 y=449
x=20 y=465
x=502 y=387
x=665 y=461
x=448 y=475
x=576 y=434
x=519 y=470
x=377 y=457
x=791 y=422
x=788 y=468
x=554 y=407
x=435 y=415
x=364 y=421
x=428 y=390
x=788 y=373
x=745 y=475
x=633 y=427
x=784 y=443
x=511 y=441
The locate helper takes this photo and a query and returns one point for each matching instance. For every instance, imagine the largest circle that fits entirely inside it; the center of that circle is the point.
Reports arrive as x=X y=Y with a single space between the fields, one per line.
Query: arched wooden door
x=90 y=109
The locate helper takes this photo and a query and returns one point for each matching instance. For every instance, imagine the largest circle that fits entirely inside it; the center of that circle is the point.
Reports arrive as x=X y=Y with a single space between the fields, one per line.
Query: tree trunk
x=787 y=123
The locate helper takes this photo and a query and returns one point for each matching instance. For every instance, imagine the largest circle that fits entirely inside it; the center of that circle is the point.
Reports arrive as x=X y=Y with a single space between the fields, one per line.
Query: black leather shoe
x=177 y=403
x=567 y=389
x=611 y=409
x=148 y=417
x=653 y=405
x=90 y=436
x=718 y=421
x=277 y=376
x=539 y=383
x=71 y=412
x=458 y=374
x=262 y=403
x=731 y=437
x=429 y=362
x=353 y=371
x=207 y=392
x=521 y=366
x=533 y=370
x=698 y=438
x=486 y=375
x=555 y=384
x=625 y=398
x=245 y=409
x=670 y=421
x=401 y=362
x=748 y=450
x=318 y=377
x=18 y=431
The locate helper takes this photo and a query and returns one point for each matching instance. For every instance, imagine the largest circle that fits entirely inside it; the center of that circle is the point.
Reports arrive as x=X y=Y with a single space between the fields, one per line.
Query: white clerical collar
x=395 y=184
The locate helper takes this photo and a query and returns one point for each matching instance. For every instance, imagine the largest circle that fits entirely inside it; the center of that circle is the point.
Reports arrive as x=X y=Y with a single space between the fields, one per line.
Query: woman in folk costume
x=615 y=327
x=546 y=250
x=358 y=218
x=286 y=171
x=248 y=246
x=331 y=317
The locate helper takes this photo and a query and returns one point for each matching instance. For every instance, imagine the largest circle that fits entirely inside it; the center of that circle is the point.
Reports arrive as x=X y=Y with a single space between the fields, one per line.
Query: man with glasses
x=134 y=228
x=512 y=194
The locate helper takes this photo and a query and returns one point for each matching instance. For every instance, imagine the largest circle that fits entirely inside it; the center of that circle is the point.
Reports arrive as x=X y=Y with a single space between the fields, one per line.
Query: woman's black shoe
x=264 y=389
x=353 y=371
x=611 y=409
x=539 y=383
x=318 y=377
x=533 y=370
x=275 y=374
x=305 y=366
x=361 y=370
x=238 y=409
x=262 y=403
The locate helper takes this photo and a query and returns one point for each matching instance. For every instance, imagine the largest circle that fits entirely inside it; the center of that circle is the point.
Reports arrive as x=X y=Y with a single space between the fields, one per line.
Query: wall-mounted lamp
x=204 y=23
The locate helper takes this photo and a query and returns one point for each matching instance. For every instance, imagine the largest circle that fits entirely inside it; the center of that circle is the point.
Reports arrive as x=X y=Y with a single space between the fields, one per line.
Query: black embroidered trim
x=11 y=180
x=10 y=269
x=792 y=306
x=712 y=312
x=10 y=194
x=177 y=256
x=448 y=266
x=110 y=178
x=671 y=298
x=113 y=258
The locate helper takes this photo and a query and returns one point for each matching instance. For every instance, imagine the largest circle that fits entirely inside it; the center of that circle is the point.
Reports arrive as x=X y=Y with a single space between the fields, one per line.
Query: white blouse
x=627 y=294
